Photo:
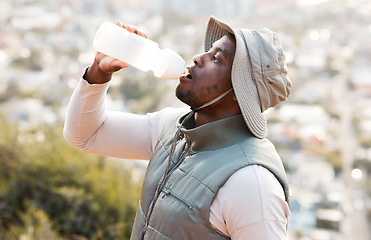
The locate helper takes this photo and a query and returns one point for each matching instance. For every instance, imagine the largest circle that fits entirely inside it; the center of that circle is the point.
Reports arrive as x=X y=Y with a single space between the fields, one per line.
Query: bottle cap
x=171 y=65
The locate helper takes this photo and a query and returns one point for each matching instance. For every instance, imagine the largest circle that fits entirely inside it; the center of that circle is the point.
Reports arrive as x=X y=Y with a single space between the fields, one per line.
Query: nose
x=197 y=60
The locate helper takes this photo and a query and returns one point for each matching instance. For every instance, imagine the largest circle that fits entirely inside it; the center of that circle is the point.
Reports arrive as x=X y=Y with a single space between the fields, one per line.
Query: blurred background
x=48 y=190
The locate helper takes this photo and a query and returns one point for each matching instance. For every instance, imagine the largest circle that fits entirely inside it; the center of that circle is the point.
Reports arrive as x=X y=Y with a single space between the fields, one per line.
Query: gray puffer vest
x=218 y=149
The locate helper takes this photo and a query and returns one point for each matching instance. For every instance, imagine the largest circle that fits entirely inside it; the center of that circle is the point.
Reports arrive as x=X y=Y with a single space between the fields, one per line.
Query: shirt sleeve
x=251 y=205
x=90 y=127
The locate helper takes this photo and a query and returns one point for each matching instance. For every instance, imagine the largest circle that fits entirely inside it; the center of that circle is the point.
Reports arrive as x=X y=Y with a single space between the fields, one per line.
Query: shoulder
x=251 y=196
x=167 y=115
x=157 y=121
x=254 y=185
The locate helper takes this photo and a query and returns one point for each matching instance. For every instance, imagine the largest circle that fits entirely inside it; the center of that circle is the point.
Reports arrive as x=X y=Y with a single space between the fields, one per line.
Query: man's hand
x=104 y=66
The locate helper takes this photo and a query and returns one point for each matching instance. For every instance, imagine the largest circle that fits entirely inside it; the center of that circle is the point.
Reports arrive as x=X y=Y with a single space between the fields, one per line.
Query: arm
x=90 y=127
x=251 y=205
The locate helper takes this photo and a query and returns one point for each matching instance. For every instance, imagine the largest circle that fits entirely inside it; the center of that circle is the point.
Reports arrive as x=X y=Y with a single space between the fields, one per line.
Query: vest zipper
x=162 y=182
x=168 y=193
x=182 y=157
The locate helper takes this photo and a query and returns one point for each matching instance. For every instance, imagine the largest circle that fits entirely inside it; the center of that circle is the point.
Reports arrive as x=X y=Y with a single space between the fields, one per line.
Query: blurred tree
x=48 y=190
x=142 y=92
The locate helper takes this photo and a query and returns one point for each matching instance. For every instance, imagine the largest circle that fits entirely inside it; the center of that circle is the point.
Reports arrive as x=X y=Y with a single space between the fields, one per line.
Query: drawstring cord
x=214 y=100
x=164 y=177
x=161 y=184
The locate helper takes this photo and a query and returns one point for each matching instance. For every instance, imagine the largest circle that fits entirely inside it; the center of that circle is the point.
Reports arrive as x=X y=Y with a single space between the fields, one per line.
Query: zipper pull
x=167 y=193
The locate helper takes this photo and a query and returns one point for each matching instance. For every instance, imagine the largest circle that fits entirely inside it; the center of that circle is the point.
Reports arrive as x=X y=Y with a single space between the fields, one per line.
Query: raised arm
x=90 y=127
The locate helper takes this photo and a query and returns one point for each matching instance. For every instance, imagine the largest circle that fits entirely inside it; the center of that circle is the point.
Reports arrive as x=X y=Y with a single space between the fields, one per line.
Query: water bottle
x=137 y=51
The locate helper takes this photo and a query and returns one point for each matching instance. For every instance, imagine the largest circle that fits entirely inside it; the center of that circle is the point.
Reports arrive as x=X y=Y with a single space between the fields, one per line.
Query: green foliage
x=364 y=140
x=141 y=91
x=334 y=158
x=48 y=190
x=363 y=164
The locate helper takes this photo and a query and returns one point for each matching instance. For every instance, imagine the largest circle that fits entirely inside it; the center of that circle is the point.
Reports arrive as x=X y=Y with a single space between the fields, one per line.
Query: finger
x=116 y=65
x=131 y=28
x=121 y=64
x=99 y=56
x=135 y=30
x=140 y=33
x=120 y=24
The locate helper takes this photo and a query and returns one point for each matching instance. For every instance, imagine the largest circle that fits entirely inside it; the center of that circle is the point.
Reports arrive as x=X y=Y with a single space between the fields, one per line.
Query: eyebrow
x=223 y=52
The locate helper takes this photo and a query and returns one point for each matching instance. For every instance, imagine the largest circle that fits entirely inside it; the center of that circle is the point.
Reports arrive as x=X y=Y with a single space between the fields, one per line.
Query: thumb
x=117 y=65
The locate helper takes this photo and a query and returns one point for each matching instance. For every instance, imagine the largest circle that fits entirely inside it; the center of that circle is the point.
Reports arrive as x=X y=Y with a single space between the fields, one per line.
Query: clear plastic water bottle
x=138 y=51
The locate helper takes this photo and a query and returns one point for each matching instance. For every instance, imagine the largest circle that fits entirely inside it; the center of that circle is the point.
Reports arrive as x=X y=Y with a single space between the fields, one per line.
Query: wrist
x=95 y=75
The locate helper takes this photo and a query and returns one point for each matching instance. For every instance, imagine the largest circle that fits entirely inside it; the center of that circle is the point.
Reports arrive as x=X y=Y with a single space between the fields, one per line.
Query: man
x=212 y=173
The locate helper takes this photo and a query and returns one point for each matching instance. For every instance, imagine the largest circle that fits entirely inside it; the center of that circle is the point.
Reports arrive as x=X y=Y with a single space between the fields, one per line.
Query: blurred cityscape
x=323 y=132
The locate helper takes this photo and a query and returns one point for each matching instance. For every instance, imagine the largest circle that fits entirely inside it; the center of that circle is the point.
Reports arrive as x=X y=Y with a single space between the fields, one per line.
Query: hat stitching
x=280 y=59
x=264 y=77
x=252 y=120
x=248 y=54
x=251 y=67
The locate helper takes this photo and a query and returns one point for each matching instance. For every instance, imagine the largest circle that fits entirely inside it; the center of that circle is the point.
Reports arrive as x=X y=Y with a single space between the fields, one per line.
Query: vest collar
x=215 y=135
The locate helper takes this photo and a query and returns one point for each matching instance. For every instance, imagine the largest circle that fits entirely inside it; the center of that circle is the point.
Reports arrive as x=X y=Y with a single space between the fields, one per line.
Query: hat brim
x=242 y=77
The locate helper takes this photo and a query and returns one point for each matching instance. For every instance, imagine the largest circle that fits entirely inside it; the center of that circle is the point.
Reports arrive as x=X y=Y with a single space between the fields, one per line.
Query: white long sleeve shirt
x=250 y=205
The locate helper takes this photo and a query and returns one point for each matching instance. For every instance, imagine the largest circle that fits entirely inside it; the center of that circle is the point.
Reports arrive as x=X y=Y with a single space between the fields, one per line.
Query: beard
x=188 y=97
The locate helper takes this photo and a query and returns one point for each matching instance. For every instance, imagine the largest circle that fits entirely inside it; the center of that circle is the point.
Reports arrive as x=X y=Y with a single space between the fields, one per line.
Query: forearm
x=86 y=113
x=90 y=127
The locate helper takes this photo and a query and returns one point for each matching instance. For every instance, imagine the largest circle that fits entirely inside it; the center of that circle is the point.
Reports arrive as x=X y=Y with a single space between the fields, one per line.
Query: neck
x=208 y=115
x=223 y=106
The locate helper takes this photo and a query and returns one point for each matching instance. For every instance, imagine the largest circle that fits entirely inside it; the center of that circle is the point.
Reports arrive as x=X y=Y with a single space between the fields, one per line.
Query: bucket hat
x=259 y=72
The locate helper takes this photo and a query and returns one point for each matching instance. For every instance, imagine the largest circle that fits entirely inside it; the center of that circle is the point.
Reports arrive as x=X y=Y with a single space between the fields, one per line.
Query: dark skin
x=209 y=77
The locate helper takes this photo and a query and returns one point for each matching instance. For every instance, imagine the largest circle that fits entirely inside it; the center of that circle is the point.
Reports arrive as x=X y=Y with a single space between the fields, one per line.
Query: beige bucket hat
x=259 y=71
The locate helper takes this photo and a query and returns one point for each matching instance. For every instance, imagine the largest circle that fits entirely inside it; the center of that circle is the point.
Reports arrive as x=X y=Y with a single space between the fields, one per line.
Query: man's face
x=210 y=76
